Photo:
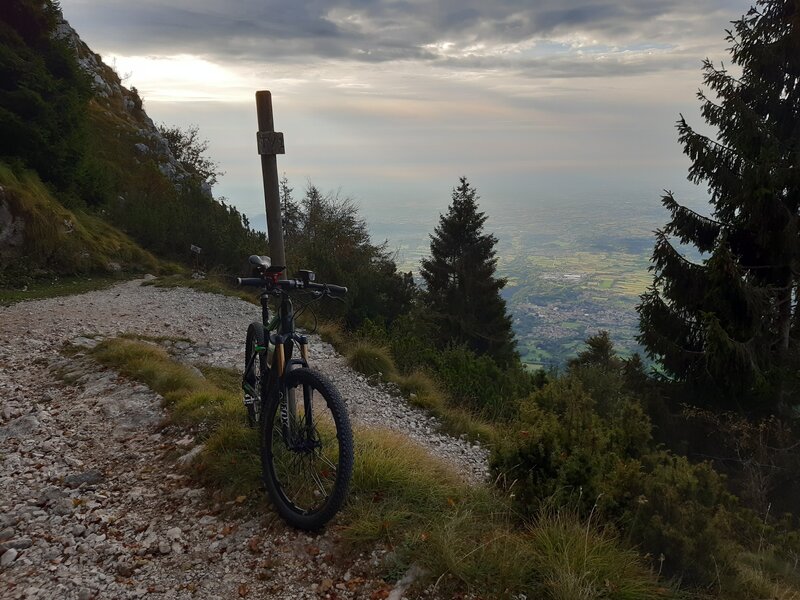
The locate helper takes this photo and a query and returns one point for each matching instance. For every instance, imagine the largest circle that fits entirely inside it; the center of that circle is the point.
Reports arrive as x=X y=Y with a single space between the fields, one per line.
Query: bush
x=584 y=441
x=479 y=384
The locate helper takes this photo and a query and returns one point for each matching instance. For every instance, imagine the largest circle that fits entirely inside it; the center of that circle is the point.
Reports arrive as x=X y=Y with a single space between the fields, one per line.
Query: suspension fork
x=294 y=431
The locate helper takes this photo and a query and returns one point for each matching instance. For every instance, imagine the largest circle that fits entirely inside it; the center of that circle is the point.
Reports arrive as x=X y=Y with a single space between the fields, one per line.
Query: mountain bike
x=305 y=434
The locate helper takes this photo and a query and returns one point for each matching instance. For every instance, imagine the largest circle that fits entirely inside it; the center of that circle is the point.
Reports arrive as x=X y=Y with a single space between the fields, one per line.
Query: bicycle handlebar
x=292 y=284
x=252 y=281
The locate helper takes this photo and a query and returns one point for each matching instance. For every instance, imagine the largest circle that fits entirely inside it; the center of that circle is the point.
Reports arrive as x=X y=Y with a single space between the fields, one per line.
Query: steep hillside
x=79 y=154
x=39 y=236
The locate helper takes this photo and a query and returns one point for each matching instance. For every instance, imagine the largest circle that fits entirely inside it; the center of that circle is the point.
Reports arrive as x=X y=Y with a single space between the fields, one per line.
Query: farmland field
x=572 y=268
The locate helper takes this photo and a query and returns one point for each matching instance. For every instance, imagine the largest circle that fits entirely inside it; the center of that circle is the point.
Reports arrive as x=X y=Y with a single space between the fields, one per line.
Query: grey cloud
x=570 y=66
x=261 y=31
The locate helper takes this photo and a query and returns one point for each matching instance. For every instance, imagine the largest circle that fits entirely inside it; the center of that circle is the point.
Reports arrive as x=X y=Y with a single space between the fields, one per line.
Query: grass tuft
x=333 y=333
x=371 y=360
x=574 y=561
x=420 y=388
x=208 y=405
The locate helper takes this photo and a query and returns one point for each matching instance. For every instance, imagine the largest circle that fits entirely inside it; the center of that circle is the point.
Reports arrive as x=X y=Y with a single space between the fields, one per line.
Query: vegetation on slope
x=100 y=157
x=54 y=239
x=594 y=466
x=462 y=536
x=43 y=96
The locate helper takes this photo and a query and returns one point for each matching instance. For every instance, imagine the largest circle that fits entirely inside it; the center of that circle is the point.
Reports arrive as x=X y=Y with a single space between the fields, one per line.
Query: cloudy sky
x=391 y=101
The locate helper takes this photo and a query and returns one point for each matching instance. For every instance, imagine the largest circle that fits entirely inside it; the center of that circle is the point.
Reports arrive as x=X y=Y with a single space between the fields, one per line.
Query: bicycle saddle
x=260 y=261
x=263 y=264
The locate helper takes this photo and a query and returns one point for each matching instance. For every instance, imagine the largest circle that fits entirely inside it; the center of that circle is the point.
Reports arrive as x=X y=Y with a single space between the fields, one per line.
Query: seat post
x=265 y=309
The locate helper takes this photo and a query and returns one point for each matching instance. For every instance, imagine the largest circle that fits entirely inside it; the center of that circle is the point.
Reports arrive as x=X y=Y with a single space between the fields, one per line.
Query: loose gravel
x=91 y=502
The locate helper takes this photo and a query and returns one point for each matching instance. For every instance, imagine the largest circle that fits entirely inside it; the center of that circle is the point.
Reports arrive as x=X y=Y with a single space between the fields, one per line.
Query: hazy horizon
x=390 y=102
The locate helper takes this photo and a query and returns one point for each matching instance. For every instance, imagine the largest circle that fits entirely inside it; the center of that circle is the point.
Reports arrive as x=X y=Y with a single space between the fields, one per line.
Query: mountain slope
x=75 y=139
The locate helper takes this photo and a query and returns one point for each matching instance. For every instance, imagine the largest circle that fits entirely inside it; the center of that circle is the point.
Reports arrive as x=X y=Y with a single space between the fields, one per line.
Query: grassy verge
x=466 y=538
x=58 y=286
x=418 y=387
x=213 y=284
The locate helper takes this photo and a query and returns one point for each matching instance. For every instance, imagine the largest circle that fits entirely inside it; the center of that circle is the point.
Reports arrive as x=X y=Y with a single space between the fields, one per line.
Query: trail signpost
x=270 y=144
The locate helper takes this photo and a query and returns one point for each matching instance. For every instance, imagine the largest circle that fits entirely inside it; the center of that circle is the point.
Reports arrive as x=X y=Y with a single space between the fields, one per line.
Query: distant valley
x=574 y=267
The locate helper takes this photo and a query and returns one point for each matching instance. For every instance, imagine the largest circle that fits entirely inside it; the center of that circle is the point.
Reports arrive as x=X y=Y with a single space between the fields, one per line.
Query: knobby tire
x=307 y=479
x=256 y=337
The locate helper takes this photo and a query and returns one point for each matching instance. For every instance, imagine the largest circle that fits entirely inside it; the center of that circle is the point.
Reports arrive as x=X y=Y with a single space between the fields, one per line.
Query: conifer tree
x=292 y=216
x=728 y=324
x=463 y=294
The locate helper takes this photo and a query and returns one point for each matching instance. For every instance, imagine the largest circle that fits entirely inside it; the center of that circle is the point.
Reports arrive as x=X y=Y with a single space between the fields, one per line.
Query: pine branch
x=722 y=147
x=690 y=226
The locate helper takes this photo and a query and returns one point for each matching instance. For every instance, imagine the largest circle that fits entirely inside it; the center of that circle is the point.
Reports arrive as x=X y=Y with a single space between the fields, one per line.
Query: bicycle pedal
x=248 y=400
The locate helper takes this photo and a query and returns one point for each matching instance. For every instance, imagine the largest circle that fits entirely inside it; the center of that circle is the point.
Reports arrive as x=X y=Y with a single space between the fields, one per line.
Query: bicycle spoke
x=327 y=461
x=306 y=472
x=305 y=467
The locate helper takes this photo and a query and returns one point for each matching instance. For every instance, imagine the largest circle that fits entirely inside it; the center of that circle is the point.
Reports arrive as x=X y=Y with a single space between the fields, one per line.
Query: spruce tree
x=728 y=323
x=463 y=294
x=291 y=214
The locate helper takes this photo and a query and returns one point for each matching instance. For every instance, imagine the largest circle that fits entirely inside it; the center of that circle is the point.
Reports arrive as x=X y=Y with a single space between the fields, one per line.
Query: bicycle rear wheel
x=256 y=376
x=307 y=450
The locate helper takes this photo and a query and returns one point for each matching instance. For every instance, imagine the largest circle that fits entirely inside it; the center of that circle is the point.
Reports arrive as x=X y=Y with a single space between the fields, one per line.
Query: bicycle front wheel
x=307 y=450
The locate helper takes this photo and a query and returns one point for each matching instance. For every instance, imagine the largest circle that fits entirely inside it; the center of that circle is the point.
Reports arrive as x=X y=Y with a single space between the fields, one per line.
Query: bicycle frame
x=284 y=340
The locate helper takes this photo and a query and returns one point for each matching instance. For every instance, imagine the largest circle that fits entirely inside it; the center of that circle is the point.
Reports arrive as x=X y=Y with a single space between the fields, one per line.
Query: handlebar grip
x=253 y=281
x=329 y=287
x=337 y=289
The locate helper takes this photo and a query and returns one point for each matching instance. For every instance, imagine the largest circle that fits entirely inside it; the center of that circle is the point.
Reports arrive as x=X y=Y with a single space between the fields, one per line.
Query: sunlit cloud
x=182 y=78
x=382 y=97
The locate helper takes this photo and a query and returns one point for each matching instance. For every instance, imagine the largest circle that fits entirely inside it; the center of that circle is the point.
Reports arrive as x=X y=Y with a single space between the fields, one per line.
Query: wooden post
x=270 y=144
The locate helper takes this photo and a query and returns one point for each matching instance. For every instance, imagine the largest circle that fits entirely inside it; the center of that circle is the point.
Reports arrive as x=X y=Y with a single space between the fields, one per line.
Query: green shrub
x=410 y=342
x=571 y=450
x=479 y=384
x=373 y=332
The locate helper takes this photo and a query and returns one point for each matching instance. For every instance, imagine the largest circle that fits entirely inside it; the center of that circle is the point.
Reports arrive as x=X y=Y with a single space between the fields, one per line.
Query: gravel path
x=92 y=505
